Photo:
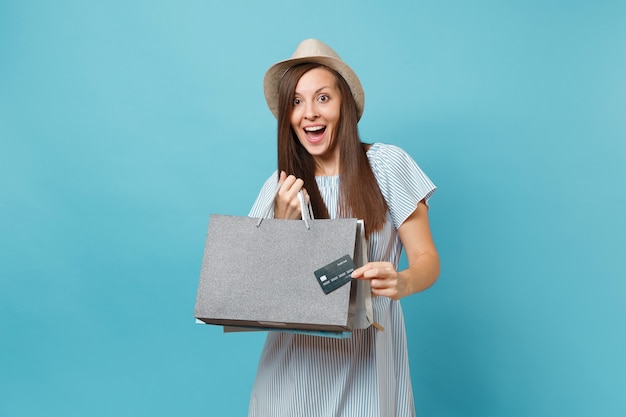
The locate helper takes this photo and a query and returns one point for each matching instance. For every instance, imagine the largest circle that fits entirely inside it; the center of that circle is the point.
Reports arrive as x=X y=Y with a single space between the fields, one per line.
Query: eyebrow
x=316 y=91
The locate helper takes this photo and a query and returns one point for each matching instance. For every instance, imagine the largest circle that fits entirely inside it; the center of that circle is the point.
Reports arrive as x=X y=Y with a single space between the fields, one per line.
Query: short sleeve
x=401 y=180
x=265 y=198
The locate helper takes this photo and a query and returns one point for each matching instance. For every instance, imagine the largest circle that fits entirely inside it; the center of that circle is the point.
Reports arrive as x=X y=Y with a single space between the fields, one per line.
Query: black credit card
x=335 y=274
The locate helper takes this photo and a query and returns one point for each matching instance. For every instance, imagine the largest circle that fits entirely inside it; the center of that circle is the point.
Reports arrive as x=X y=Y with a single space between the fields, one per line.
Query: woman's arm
x=422 y=257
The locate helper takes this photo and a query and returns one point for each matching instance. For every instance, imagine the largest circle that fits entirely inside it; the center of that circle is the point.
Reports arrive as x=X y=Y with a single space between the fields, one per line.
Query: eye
x=323 y=98
x=296 y=101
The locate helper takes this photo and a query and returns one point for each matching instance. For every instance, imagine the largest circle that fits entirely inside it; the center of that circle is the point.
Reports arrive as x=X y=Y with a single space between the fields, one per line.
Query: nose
x=310 y=111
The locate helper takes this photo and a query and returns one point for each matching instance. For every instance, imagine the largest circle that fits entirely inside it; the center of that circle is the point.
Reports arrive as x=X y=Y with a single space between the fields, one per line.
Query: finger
x=372 y=273
x=373 y=270
x=297 y=185
x=382 y=283
x=287 y=181
x=386 y=292
x=291 y=185
x=364 y=272
x=358 y=273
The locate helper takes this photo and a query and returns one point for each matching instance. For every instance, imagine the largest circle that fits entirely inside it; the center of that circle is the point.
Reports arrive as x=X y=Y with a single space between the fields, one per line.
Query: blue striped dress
x=367 y=374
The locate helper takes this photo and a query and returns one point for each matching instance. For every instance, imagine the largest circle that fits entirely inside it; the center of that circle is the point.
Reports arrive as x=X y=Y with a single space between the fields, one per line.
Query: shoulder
x=379 y=152
x=400 y=179
x=265 y=197
x=384 y=156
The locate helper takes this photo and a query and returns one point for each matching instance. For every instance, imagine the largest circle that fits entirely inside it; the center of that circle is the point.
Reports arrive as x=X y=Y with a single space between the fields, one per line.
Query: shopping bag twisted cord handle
x=305 y=209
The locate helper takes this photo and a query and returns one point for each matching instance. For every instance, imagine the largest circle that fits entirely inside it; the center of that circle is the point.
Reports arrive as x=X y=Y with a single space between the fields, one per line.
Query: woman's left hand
x=384 y=279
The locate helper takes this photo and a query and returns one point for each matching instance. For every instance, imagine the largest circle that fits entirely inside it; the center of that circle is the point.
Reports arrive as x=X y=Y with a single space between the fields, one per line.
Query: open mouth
x=315 y=133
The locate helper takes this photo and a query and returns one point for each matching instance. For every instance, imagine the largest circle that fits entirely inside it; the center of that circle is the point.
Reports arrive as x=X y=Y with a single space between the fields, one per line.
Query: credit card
x=336 y=274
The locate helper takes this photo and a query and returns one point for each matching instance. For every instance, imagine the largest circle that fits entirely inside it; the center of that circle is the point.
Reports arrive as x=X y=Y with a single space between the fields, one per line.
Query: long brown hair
x=359 y=194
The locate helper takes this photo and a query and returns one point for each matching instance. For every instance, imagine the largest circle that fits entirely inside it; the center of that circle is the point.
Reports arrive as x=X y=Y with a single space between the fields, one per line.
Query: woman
x=318 y=101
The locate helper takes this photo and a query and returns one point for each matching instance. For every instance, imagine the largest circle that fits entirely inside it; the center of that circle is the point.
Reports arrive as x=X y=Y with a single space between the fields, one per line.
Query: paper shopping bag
x=263 y=275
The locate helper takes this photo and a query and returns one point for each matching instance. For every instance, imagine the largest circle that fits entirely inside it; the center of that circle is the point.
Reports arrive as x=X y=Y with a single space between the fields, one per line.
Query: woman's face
x=316 y=112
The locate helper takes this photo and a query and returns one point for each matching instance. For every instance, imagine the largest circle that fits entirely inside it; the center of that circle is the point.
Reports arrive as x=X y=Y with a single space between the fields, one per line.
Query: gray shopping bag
x=259 y=273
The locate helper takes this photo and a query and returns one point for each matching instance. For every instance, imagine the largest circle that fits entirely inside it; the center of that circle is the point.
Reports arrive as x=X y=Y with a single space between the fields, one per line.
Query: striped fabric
x=368 y=374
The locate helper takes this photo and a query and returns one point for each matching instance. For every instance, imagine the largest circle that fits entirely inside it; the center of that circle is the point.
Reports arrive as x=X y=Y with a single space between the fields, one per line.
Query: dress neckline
x=330 y=179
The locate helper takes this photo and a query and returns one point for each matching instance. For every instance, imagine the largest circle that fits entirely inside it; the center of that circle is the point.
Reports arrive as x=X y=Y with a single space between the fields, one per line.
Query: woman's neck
x=326 y=167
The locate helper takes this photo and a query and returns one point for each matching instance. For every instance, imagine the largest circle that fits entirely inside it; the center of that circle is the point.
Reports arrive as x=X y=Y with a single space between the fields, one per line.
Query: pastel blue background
x=123 y=124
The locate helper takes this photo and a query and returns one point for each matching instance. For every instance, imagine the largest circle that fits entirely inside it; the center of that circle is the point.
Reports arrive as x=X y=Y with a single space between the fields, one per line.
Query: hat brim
x=276 y=72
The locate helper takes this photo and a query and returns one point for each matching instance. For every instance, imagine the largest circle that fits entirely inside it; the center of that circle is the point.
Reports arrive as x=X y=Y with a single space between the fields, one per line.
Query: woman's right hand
x=287 y=203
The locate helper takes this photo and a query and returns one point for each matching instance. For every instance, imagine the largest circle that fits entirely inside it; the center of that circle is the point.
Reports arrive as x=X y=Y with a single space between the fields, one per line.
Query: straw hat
x=312 y=50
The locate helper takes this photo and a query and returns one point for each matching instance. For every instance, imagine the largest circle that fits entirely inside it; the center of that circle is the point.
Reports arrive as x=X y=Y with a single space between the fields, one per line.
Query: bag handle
x=305 y=209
